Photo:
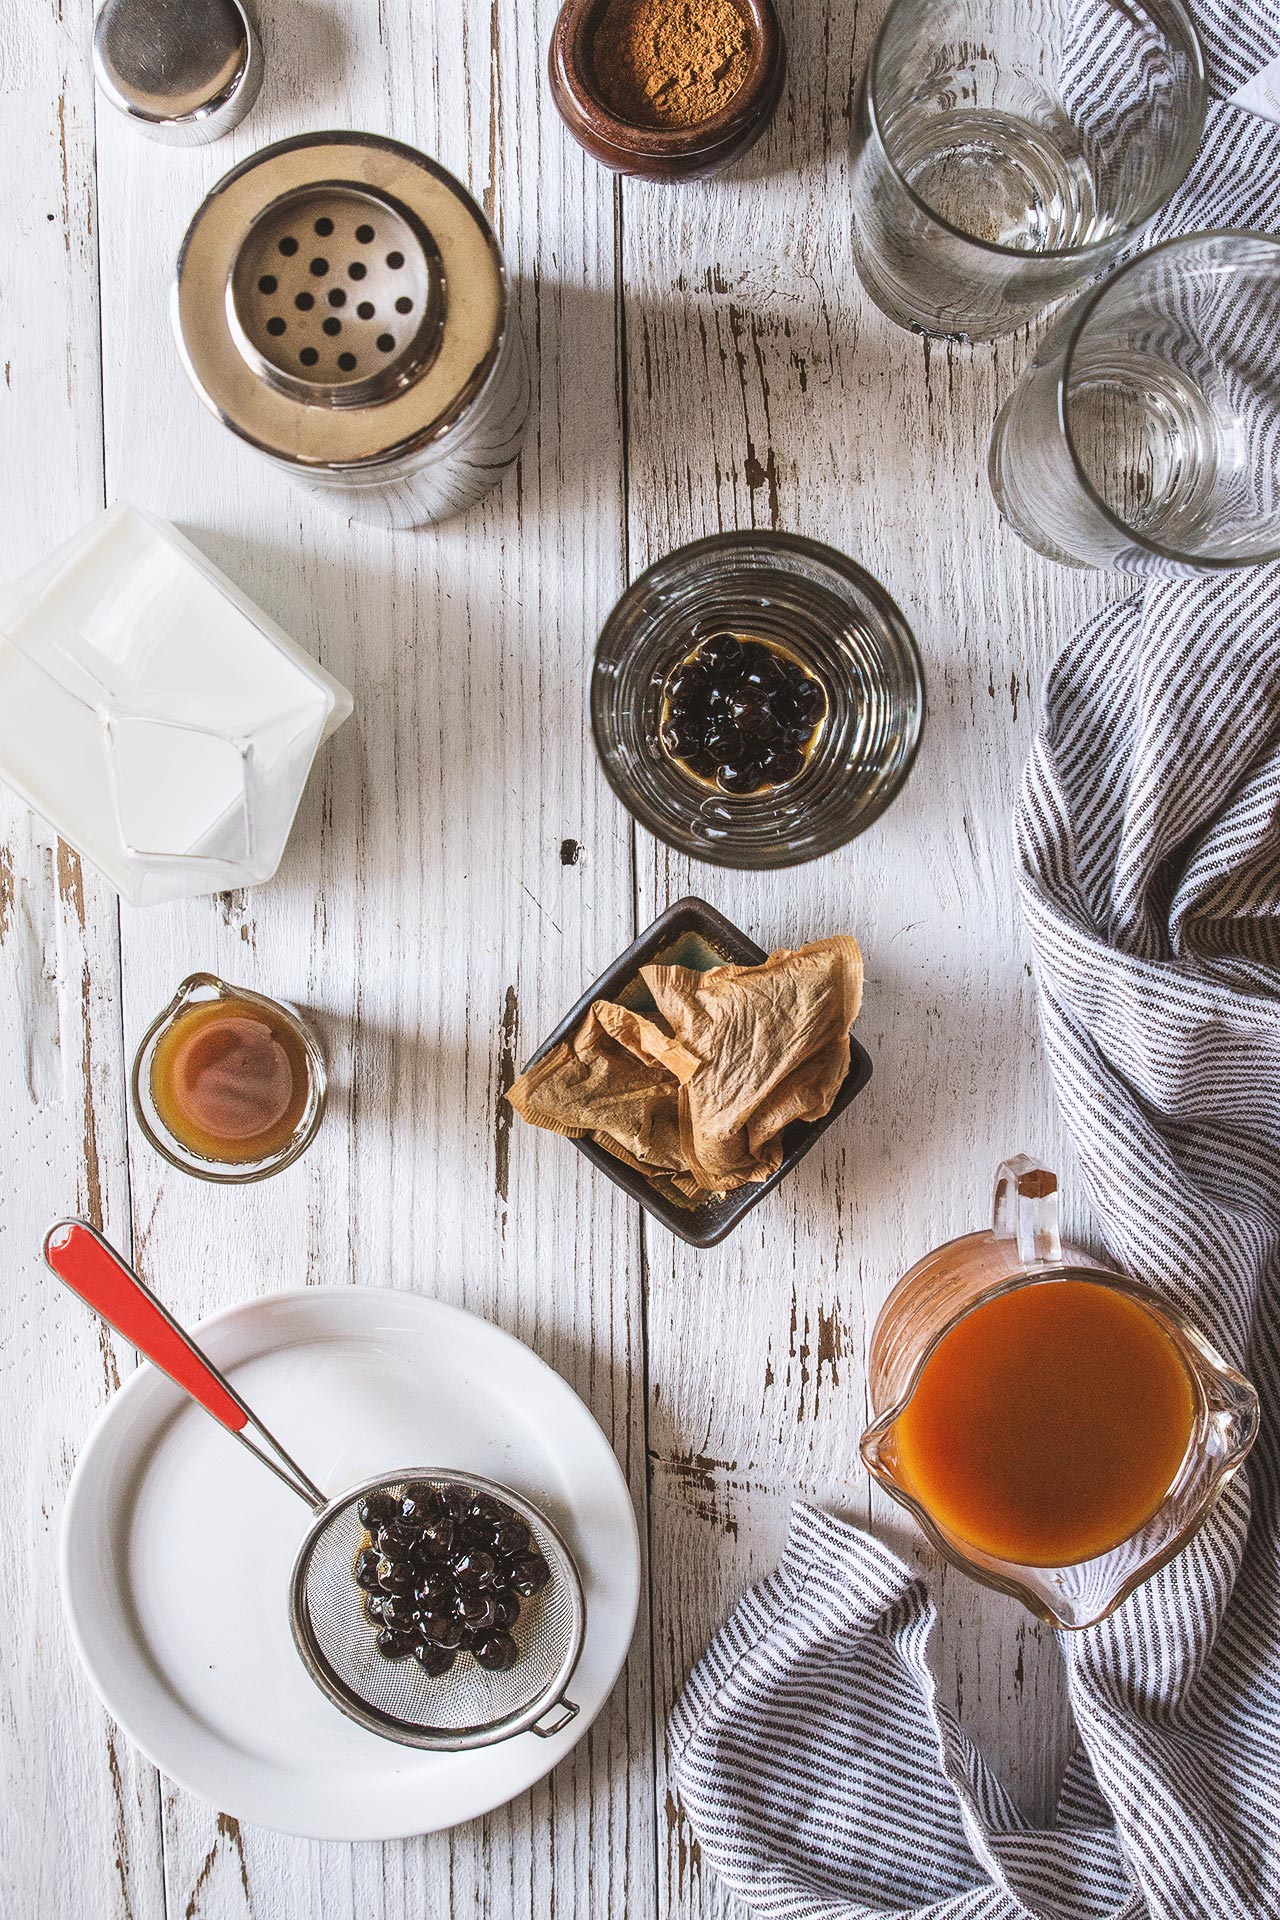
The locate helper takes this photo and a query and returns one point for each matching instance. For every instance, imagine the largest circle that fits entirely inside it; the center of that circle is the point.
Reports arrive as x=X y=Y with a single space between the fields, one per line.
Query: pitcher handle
x=1026 y=1211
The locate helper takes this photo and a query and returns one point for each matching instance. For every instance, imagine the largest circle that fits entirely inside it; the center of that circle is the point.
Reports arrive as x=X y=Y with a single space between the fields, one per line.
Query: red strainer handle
x=91 y=1267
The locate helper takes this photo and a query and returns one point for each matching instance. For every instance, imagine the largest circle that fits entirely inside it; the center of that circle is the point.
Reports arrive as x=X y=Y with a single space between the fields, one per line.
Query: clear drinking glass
x=1005 y=151
x=1145 y=435
x=825 y=612
x=1022 y=1248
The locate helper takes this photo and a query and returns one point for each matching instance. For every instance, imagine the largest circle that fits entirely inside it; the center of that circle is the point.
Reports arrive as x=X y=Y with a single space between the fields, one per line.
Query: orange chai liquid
x=230 y=1081
x=1048 y=1424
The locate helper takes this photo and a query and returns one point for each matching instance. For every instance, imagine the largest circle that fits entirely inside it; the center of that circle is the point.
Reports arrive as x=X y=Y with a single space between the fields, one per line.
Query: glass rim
x=1094 y=248
x=1074 y=322
x=780 y=544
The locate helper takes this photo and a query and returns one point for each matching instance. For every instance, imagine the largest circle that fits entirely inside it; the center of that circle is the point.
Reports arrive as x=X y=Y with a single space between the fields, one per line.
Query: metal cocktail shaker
x=341 y=303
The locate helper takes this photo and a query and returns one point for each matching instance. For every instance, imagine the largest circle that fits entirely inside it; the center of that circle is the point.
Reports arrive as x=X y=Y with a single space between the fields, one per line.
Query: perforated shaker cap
x=340 y=300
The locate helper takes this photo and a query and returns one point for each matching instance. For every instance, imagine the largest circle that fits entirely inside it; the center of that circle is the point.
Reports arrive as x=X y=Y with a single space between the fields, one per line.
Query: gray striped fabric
x=821 y=1775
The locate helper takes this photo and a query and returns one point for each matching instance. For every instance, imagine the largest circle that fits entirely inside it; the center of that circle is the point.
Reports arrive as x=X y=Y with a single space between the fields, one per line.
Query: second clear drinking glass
x=1003 y=153
x=1145 y=435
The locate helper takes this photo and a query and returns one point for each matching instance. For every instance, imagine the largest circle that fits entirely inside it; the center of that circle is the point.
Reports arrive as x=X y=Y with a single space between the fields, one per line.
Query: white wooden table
x=703 y=359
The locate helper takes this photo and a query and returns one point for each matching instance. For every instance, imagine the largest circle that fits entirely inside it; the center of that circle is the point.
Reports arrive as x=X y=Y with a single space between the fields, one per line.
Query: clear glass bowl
x=199 y=989
x=828 y=613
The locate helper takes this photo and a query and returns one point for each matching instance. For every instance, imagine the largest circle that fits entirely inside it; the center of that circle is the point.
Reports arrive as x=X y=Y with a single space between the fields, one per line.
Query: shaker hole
x=404 y=304
x=319 y=267
x=386 y=341
x=365 y=309
x=304 y=302
x=337 y=298
x=333 y=324
x=288 y=245
x=275 y=325
x=308 y=356
x=357 y=270
x=324 y=226
x=364 y=235
x=347 y=361
x=268 y=283
x=395 y=259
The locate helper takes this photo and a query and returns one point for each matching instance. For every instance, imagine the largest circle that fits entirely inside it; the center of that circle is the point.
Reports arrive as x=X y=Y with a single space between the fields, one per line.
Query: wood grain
x=79 y=1810
x=703 y=359
x=765 y=390
x=423 y=914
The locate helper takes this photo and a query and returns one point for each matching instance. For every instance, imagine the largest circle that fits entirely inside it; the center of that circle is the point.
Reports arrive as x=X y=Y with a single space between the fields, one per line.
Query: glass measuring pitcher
x=942 y=1318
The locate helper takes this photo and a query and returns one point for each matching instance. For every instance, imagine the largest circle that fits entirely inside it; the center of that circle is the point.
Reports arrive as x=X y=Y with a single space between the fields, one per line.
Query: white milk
x=155 y=717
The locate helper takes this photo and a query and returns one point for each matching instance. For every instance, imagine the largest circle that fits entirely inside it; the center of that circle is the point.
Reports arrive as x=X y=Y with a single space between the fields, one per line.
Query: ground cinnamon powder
x=670 y=63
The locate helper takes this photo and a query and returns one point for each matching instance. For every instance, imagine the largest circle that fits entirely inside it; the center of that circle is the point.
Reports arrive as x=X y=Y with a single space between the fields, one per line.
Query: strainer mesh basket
x=469 y=1705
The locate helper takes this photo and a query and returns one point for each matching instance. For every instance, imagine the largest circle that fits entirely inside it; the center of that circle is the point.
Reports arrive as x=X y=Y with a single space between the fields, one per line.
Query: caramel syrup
x=230 y=1080
x=1049 y=1424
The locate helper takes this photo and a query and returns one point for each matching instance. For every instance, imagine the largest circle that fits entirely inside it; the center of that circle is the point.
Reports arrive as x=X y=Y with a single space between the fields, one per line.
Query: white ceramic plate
x=177 y=1546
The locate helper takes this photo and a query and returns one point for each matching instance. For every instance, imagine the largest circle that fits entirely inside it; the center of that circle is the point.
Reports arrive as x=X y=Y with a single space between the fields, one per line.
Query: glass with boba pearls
x=757 y=699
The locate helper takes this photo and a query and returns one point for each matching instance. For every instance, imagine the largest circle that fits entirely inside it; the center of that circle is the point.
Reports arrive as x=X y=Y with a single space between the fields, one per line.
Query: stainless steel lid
x=182 y=73
x=340 y=300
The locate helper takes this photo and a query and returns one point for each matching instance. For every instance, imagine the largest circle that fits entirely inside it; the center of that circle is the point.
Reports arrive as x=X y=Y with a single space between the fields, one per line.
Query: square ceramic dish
x=693 y=934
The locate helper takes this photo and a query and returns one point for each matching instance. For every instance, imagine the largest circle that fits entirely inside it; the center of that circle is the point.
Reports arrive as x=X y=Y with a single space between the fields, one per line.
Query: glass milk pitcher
x=981 y=1365
x=155 y=717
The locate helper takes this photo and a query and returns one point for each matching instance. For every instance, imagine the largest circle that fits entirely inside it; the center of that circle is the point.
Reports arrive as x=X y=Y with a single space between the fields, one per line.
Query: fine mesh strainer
x=470 y=1705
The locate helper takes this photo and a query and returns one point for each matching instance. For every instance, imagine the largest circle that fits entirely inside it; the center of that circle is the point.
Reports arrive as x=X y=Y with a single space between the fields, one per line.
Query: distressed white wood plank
x=428 y=916
x=429 y=911
x=765 y=390
x=79 y=1811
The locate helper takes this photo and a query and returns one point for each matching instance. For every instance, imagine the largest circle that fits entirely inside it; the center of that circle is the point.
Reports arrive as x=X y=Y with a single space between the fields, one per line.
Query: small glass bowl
x=821 y=608
x=197 y=989
x=664 y=153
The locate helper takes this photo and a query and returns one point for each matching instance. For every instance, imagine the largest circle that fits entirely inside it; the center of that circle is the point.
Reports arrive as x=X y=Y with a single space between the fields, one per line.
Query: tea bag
x=616 y=1081
x=703 y=1093
x=772 y=1043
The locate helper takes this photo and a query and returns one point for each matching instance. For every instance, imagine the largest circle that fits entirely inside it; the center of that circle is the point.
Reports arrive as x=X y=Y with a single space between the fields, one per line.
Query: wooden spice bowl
x=671 y=152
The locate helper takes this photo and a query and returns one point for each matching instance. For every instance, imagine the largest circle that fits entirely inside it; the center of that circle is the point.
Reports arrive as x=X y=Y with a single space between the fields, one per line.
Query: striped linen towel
x=820 y=1772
